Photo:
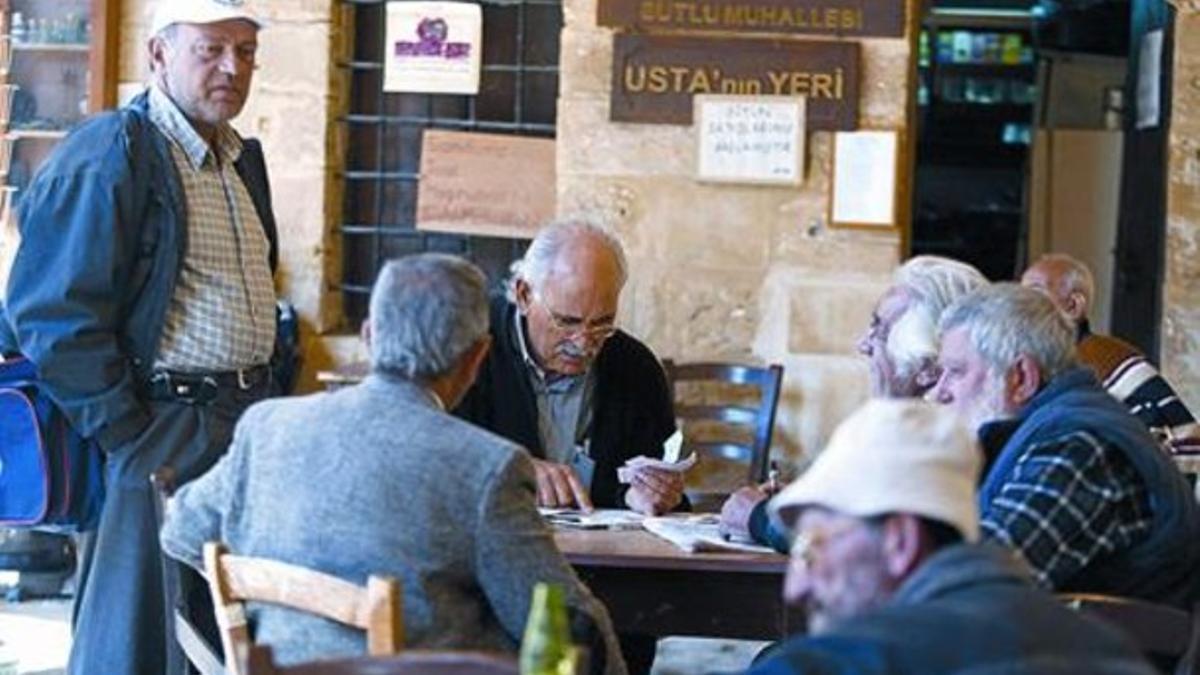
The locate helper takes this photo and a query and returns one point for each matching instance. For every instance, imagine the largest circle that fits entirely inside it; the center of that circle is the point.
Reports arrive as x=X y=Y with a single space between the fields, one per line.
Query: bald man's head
x=1066 y=281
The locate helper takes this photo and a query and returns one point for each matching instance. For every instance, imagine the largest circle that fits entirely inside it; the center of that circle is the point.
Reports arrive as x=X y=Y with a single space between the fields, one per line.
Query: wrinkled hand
x=558 y=486
x=735 y=512
x=654 y=492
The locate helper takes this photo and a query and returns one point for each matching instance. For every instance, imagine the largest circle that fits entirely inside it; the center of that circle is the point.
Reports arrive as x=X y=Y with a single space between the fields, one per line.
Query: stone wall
x=1181 y=293
x=742 y=273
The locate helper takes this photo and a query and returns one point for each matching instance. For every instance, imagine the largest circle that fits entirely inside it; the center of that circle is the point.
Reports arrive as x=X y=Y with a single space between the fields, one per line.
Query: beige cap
x=893 y=456
x=170 y=12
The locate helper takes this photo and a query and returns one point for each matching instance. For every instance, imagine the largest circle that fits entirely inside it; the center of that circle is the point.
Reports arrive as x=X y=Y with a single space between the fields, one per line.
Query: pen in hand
x=772 y=485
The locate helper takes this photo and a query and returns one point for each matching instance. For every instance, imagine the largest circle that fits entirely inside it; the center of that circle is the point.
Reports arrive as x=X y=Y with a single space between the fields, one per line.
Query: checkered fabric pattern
x=222 y=314
x=1067 y=503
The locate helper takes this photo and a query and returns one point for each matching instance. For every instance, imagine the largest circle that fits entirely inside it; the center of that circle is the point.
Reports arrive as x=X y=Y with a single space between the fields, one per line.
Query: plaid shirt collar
x=167 y=117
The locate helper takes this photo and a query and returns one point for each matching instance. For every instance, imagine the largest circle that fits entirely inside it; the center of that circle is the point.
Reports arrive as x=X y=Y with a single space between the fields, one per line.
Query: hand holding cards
x=672 y=448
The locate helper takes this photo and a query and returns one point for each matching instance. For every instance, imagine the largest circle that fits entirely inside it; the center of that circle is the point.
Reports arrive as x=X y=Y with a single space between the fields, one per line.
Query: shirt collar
x=167 y=116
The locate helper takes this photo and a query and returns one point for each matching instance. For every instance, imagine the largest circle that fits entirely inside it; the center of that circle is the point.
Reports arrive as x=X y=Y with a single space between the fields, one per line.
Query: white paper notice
x=433 y=47
x=1149 y=89
x=864 y=178
x=750 y=139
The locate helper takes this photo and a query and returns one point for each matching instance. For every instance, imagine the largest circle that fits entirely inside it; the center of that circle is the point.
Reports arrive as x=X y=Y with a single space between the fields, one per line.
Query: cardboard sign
x=488 y=184
x=655 y=77
x=750 y=139
x=433 y=47
x=842 y=18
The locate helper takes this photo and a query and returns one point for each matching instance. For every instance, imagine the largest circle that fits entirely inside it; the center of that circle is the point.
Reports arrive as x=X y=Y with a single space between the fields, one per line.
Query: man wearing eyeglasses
x=143 y=291
x=564 y=382
x=886 y=565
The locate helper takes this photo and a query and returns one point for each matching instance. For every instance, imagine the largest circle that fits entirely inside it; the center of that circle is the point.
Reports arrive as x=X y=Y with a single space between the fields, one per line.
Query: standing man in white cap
x=886 y=564
x=143 y=290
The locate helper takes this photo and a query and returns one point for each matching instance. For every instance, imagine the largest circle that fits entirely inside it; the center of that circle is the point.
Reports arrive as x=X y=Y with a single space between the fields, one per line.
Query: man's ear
x=156 y=50
x=475 y=357
x=928 y=374
x=903 y=549
x=522 y=290
x=1076 y=306
x=1022 y=381
x=365 y=332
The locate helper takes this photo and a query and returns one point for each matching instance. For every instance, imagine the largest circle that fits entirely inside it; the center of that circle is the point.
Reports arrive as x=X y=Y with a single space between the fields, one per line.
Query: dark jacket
x=967 y=609
x=1162 y=566
x=103 y=235
x=633 y=413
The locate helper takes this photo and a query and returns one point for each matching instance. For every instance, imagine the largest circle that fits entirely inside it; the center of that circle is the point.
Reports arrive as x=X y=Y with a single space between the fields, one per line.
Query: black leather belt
x=169 y=385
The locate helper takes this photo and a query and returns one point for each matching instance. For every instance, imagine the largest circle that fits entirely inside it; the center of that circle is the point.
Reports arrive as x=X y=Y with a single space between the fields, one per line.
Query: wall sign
x=655 y=77
x=750 y=139
x=843 y=18
x=433 y=47
x=865 y=167
x=494 y=185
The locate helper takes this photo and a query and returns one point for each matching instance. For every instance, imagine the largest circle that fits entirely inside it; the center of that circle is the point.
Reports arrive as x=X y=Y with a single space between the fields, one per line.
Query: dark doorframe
x=1142 y=219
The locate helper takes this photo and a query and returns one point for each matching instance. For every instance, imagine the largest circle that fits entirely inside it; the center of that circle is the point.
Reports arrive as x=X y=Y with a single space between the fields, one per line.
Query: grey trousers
x=119 y=617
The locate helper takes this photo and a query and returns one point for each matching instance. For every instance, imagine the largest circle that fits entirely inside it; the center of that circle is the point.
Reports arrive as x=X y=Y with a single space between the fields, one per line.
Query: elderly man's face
x=886 y=377
x=574 y=311
x=841 y=572
x=1047 y=277
x=967 y=384
x=206 y=69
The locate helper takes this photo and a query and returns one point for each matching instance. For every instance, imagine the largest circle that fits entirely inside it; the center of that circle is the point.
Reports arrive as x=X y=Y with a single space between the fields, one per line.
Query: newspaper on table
x=699 y=533
x=672 y=449
x=599 y=519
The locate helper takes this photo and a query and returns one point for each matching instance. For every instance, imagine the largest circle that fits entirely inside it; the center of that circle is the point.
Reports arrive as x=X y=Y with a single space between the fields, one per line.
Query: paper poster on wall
x=493 y=185
x=749 y=139
x=1149 y=88
x=864 y=179
x=433 y=47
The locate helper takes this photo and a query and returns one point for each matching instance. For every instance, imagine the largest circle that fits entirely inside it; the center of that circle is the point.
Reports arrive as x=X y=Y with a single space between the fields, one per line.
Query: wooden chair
x=234 y=579
x=735 y=431
x=179 y=582
x=1168 y=636
x=260 y=662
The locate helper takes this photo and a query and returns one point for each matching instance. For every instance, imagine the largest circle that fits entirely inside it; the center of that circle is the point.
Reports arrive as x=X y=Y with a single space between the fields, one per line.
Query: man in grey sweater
x=379 y=479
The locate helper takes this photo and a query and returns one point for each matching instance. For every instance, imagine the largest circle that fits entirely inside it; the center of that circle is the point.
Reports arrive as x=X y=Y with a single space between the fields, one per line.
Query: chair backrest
x=1167 y=635
x=740 y=420
x=260 y=662
x=178 y=582
x=235 y=579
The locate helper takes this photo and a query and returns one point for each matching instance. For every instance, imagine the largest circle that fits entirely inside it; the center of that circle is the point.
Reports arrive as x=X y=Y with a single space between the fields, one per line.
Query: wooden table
x=653 y=588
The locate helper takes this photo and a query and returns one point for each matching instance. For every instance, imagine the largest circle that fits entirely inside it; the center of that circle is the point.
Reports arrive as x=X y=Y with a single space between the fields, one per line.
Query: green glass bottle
x=546 y=648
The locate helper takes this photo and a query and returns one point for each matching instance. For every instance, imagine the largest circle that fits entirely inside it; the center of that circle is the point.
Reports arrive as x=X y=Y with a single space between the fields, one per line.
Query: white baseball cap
x=893 y=456
x=169 y=12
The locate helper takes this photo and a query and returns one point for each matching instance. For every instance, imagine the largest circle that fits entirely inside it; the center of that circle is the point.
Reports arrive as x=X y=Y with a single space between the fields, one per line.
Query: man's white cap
x=893 y=456
x=170 y=12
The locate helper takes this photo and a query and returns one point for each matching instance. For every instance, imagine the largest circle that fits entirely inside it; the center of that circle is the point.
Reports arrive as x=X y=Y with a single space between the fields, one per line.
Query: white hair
x=1006 y=320
x=535 y=267
x=931 y=284
x=426 y=311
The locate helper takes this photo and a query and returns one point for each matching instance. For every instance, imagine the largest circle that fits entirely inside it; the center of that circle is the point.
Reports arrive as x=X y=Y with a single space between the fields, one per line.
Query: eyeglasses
x=574 y=328
x=212 y=51
x=808 y=544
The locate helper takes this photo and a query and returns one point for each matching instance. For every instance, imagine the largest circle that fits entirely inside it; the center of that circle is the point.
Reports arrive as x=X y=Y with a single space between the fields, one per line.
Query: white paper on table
x=599 y=519
x=696 y=533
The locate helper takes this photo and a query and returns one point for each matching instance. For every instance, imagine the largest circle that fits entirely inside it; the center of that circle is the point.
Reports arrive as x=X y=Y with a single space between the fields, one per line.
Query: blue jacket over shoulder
x=103 y=233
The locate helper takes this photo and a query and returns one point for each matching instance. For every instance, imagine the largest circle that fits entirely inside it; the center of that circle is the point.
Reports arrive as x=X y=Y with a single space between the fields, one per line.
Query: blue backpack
x=50 y=478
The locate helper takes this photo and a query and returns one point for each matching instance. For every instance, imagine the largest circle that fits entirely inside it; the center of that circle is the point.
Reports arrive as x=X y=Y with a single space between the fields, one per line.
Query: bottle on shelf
x=546 y=647
x=18 y=30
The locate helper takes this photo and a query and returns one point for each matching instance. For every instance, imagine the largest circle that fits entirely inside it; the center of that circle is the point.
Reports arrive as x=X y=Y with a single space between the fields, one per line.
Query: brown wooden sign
x=848 y=18
x=655 y=77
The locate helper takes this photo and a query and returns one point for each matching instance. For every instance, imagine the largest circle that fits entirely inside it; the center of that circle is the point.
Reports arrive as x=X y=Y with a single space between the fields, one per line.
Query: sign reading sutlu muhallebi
x=655 y=77
x=843 y=18
x=433 y=47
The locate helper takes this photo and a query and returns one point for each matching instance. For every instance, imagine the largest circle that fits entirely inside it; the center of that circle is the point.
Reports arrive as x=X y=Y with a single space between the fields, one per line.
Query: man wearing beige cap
x=143 y=291
x=886 y=564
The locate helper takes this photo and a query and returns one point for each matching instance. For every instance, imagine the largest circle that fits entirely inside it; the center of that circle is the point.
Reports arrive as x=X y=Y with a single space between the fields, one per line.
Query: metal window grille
x=517 y=95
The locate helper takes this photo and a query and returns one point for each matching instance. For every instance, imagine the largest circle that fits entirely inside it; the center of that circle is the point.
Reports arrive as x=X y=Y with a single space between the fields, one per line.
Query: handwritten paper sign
x=864 y=179
x=433 y=47
x=487 y=184
x=750 y=139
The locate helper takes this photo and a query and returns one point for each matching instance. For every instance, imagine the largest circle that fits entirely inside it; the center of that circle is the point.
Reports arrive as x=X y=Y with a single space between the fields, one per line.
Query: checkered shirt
x=1067 y=503
x=222 y=314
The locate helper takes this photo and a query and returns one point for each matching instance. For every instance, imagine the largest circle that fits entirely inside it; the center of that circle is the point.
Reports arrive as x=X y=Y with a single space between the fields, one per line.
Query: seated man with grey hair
x=1123 y=369
x=1075 y=482
x=564 y=382
x=379 y=479
x=900 y=344
x=887 y=566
